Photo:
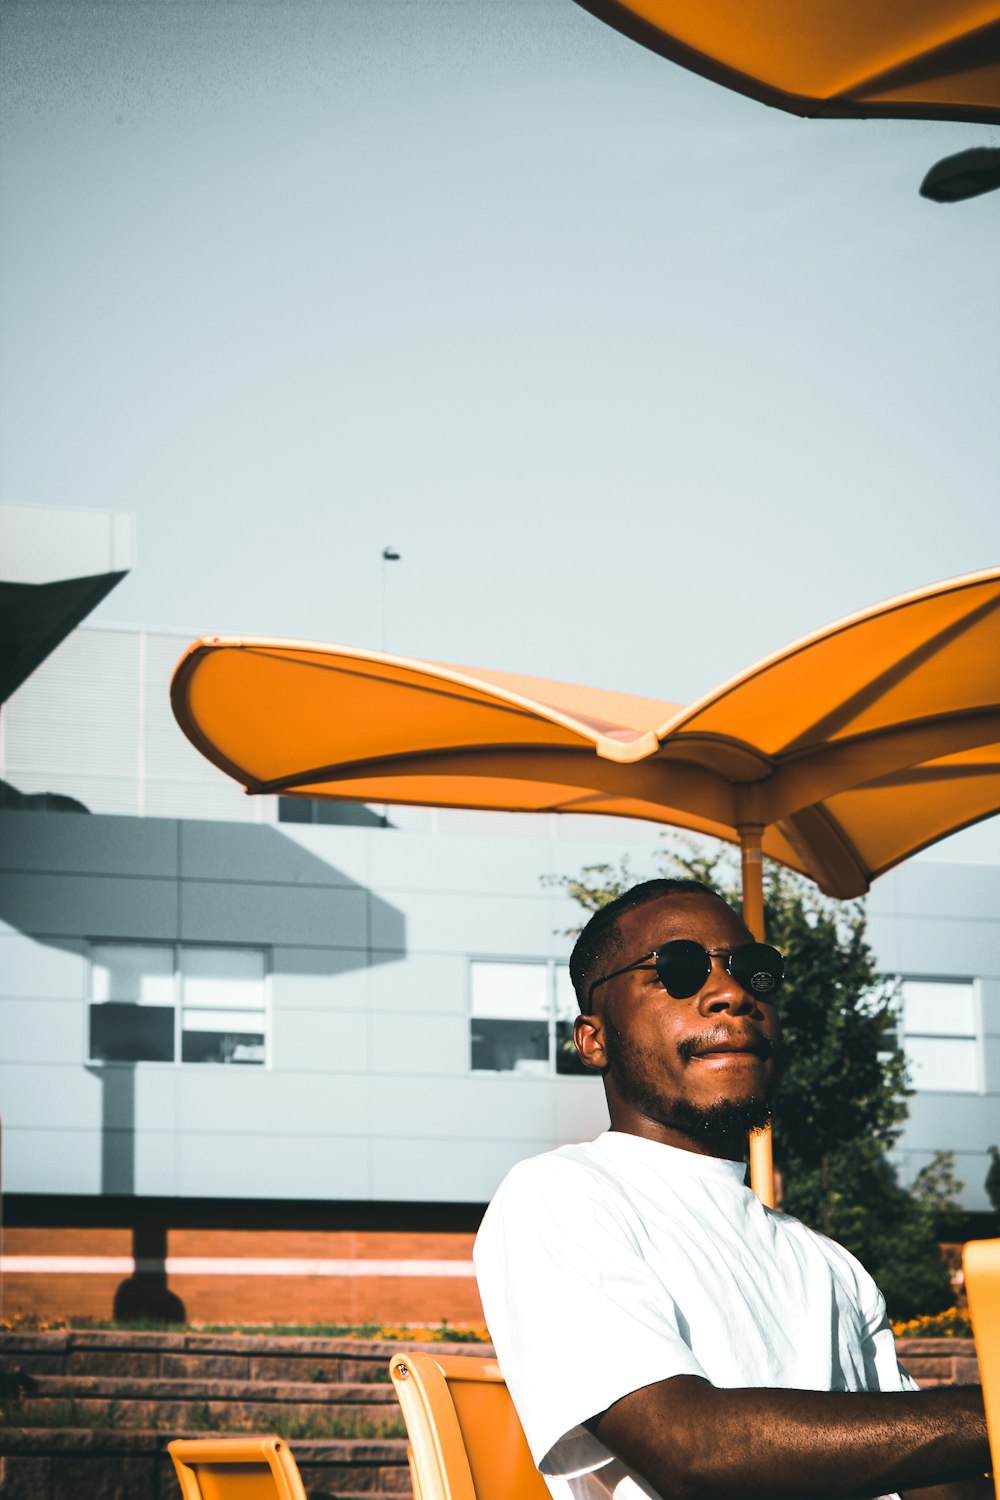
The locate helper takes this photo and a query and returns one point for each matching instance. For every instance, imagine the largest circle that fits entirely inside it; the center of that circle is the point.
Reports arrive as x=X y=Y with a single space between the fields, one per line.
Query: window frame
x=175 y=948
x=552 y=1017
x=975 y=1036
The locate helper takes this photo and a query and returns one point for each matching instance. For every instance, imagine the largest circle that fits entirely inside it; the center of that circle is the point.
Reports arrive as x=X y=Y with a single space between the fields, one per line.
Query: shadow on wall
x=169 y=1000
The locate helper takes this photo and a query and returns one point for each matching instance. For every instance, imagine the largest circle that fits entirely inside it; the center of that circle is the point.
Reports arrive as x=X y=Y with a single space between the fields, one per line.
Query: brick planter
x=939 y=1361
x=152 y=1374
x=64 y=1464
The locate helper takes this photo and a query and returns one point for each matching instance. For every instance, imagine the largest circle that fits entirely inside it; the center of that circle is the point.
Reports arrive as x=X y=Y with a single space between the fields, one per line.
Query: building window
x=165 y=1002
x=521 y=1018
x=940 y=1035
x=323 y=810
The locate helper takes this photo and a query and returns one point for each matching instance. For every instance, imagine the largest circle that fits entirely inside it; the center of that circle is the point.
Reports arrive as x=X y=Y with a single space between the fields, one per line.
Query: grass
x=291 y=1425
x=60 y=1413
x=297 y=1425
x=394 y=1333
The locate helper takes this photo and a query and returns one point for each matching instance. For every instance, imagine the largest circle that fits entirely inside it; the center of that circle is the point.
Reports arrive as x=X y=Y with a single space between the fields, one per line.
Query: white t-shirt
x=607 y=1266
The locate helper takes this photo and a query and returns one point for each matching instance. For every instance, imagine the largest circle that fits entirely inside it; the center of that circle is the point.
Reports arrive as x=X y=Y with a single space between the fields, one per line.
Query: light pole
x=389 y=554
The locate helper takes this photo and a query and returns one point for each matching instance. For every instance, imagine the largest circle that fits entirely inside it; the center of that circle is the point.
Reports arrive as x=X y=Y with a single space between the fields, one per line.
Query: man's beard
x=717 y=1125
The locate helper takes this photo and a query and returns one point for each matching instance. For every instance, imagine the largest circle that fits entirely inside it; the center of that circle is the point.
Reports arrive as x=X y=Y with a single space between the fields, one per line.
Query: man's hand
x=694 y=1441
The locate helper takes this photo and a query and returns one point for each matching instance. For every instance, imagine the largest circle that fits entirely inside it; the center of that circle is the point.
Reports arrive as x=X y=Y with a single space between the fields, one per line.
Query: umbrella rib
x=918 y=775
x=811 y=749
x=970 y=49
x=871 y=692
x=396 y=764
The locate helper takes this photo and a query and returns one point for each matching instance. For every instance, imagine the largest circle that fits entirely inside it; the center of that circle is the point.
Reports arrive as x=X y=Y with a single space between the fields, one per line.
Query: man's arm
x=694 y=1441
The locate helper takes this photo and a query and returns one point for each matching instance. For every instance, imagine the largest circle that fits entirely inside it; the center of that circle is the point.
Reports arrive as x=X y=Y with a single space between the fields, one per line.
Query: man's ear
x=588 y=1034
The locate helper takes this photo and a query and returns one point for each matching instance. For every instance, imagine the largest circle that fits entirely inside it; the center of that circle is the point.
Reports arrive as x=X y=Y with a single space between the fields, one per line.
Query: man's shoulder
x=565 y=1166
x=574 y=1177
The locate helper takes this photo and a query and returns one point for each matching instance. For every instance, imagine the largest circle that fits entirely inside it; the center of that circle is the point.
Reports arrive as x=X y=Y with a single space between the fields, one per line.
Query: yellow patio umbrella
x=928 y=59
x=838 y=756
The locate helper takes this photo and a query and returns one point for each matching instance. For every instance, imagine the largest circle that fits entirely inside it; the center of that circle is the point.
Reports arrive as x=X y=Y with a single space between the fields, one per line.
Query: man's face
x=696 y=1073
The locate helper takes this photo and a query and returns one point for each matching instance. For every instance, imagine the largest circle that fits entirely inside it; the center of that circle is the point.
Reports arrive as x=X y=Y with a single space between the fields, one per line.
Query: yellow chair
x=251 y=1468
x=981 y=1263
x=466 y=1442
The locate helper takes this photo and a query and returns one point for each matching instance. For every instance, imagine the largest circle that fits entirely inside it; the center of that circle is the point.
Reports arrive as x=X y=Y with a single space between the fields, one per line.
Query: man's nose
x=722 y=992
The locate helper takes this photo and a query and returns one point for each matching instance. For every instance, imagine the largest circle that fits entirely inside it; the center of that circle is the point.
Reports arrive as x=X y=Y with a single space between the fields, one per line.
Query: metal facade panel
x=290 y=915
x=428 y=1046
x=327 y=980
x=332 y=1100
x=216 y=1165
x=30 y=969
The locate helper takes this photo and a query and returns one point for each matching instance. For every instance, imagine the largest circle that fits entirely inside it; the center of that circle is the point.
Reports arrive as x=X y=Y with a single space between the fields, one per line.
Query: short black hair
x=600 y=941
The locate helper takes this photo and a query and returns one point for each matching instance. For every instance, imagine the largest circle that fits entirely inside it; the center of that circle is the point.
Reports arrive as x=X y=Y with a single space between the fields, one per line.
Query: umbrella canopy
x=841 y=754
x=929 y=59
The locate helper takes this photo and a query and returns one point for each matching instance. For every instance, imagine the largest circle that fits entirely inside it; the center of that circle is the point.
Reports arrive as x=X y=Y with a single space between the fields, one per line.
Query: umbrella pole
x=752 y=871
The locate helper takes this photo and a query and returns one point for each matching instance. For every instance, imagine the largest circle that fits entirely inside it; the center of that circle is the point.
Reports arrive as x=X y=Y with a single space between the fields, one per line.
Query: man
x=660 y=1330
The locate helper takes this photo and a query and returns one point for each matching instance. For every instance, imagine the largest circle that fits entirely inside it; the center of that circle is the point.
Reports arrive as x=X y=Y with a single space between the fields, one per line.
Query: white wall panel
x=157 y=1103
x=309 y=1039
x=473 y=924
x=90 y=905
x=431 y=1046
x=342 y=847
x=117 y=795
x=964 y=892
x=324 y=979
x=189 y=798
x=42 y=1031
x=30 y=968
x=444 y=1170
x=244 y=853
x=455 y=864
x=52 y=1161
x=70 y=843
x=49 y=1095
x=325 y=1102
x=155 y=1172
x=213 y=911
x=425 y=983
x=272 y=1166
x=581 y=1110
x=883 y=938
x=952 y=1122
x=948 y=948
x=479 y=1109
x=991 y=1076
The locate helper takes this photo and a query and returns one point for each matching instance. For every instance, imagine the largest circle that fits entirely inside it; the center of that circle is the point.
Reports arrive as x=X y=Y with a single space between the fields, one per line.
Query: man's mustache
x=747 y=1039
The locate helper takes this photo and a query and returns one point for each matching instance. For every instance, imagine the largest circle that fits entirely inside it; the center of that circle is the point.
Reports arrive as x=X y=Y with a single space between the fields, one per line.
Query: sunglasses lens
x=682 y=966
x=758 y=967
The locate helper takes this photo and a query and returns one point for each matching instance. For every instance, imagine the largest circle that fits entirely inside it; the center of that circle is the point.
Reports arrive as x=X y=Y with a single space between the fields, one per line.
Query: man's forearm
x=694 y=1441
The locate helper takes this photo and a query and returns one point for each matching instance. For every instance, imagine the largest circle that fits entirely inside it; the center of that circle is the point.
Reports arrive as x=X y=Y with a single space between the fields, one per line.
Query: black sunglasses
x=683 y=966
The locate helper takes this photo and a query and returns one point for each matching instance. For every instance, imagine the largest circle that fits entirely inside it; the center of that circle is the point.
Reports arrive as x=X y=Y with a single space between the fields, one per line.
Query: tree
x=843 y=1098
x=993 y=1180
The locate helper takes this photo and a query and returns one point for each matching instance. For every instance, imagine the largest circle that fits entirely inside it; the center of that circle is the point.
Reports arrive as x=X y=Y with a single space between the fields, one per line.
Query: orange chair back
x=981 y=1263
x=252 y=1468
x=466 y=1442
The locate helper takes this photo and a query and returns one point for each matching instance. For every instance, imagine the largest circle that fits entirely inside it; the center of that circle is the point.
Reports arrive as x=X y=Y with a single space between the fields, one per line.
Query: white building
x=212 y=1004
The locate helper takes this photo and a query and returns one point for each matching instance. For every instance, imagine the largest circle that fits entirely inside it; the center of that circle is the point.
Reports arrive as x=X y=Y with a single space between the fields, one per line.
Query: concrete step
x=289 y=1407
x=208 y=1356
x=127 y=1388
x=44 y=1464
x=207 y=1417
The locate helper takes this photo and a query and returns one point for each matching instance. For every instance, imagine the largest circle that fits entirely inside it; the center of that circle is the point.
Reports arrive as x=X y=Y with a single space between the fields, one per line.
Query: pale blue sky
x=642 y=378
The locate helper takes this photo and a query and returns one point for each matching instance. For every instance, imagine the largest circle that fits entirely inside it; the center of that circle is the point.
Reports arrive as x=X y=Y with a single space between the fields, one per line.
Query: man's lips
x=727 y=1044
